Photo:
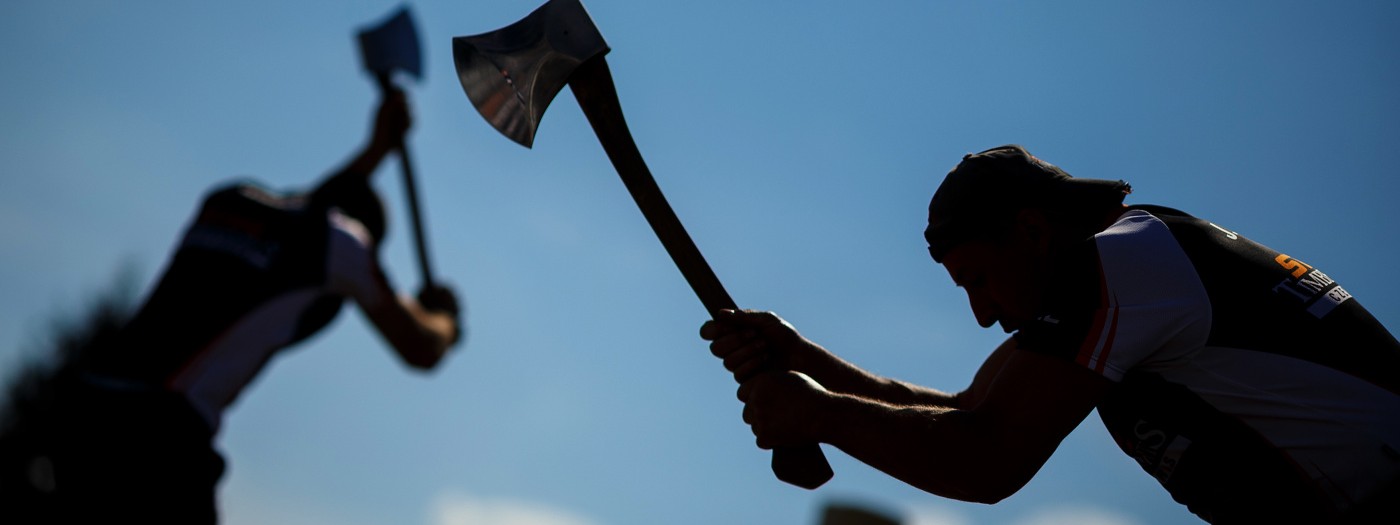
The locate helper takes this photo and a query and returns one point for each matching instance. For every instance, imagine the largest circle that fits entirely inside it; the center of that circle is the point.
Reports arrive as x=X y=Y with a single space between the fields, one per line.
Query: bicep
x=352 y=269
x=1028 y=403
x=1031 y=404
x=987 y=373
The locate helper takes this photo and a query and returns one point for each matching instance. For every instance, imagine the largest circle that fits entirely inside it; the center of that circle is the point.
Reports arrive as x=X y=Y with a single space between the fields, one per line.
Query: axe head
x=513 y=73
x=392 y=45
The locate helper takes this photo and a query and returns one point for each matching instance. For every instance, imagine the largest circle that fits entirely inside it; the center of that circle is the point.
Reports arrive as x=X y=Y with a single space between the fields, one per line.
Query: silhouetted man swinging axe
x=512 y=74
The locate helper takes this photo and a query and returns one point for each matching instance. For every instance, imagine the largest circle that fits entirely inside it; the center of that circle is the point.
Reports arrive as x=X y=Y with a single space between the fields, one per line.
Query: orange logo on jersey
x=1299 y=268
x=1315 y=291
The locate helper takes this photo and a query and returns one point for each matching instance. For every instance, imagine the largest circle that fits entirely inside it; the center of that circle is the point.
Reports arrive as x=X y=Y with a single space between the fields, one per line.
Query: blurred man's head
x=354 y=197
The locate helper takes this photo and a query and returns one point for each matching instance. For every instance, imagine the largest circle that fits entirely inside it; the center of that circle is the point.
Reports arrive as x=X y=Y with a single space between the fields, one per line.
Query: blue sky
x=798 y=142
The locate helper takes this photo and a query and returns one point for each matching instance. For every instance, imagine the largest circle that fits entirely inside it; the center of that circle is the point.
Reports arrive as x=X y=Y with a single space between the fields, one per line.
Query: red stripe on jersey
x=1098 y=340
x=1107 y=347
x=1095 y=332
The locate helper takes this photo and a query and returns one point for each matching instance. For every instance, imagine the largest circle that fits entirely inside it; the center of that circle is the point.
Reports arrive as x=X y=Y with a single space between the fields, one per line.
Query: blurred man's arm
x=419 y=331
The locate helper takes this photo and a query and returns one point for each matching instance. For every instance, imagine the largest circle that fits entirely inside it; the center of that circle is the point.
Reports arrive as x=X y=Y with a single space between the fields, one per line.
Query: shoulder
x=353 y=230
x=251 y=201
x=1130 y=293
x=1143 y=261
x=1136 y=233
x=1189 y=229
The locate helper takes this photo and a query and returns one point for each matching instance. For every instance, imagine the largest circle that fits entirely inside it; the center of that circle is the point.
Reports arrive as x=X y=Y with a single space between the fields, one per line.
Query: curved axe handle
x=804 y=465
x=410 y=189
x=420 y=241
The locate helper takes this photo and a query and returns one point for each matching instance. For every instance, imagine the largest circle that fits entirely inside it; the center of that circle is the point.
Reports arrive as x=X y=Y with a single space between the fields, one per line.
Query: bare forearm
x=940 y=450
x=367 y=159
x=391 y=123
x=838 y=375
x=983 y=451
x=420 y=337
x=900 y=393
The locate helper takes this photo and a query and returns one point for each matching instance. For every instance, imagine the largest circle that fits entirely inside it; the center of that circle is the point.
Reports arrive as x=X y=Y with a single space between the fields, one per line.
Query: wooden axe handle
x=420 y=240
x=410 y=188
x=805 y=465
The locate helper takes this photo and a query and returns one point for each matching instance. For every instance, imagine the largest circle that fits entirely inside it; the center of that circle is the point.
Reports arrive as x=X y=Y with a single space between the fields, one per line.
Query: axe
x=513 y=73
x=391 y=46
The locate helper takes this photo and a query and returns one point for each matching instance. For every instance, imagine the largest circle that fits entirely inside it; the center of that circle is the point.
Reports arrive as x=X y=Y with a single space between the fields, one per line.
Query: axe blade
x=392 y=45
x=512 y=74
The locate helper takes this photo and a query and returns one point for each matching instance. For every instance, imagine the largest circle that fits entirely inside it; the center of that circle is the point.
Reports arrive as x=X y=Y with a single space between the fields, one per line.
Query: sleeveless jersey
x=1253 y=386
x=254 y=273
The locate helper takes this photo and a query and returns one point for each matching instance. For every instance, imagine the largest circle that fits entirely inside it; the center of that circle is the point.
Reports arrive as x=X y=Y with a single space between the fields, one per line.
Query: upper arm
x=982 y=381
x=354 y=271
x=1025 y=404
x=418 y=336
x=1029 y=405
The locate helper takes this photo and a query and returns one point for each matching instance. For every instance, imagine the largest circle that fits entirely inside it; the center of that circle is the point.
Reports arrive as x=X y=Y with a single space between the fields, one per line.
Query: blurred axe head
x=512 y=74
x=392 y=45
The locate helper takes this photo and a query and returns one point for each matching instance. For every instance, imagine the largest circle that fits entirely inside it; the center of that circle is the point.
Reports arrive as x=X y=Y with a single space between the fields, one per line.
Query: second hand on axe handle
x=803 y=465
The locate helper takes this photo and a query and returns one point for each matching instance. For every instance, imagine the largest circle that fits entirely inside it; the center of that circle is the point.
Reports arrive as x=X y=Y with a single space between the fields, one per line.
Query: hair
x=982 y=197
x=1073 y=220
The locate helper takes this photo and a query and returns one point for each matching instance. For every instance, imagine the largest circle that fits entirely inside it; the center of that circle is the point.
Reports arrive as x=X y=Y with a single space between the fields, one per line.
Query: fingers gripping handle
x=804 y=465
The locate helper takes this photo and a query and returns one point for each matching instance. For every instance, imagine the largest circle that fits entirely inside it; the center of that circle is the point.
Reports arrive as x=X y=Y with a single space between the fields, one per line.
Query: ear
x=1033 y=230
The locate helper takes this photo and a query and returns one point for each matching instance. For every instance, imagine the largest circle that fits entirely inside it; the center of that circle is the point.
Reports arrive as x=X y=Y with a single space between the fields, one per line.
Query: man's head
x=997 y=218
x=981 y=197
x=354 y=197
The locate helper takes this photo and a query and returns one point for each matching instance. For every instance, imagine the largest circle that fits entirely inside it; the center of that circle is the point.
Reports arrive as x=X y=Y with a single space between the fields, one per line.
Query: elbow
x=426 y=351
x=424 y=360
x=984 y=491
x=421 y=365
x=990 y=467
x=991 y=493
x=992 y=483
x=968 y=488
x=985 y=486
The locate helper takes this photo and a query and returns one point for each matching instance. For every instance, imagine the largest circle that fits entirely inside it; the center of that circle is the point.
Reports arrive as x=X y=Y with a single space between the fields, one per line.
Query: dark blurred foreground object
x=851 y=514
x=59 y=434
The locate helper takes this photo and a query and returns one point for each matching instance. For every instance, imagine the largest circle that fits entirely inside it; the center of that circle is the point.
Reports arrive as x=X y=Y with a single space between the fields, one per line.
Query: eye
x=970 y=281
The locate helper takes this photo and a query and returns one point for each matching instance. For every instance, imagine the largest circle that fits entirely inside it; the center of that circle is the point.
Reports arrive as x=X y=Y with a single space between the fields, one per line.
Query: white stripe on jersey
x=1159 y=310
x=1334 y=426
x=213 y=379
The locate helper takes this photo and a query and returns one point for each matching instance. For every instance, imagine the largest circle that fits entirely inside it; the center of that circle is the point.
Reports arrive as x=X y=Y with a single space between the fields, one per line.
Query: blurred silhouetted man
x=1250 y=384
x=130 y=439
